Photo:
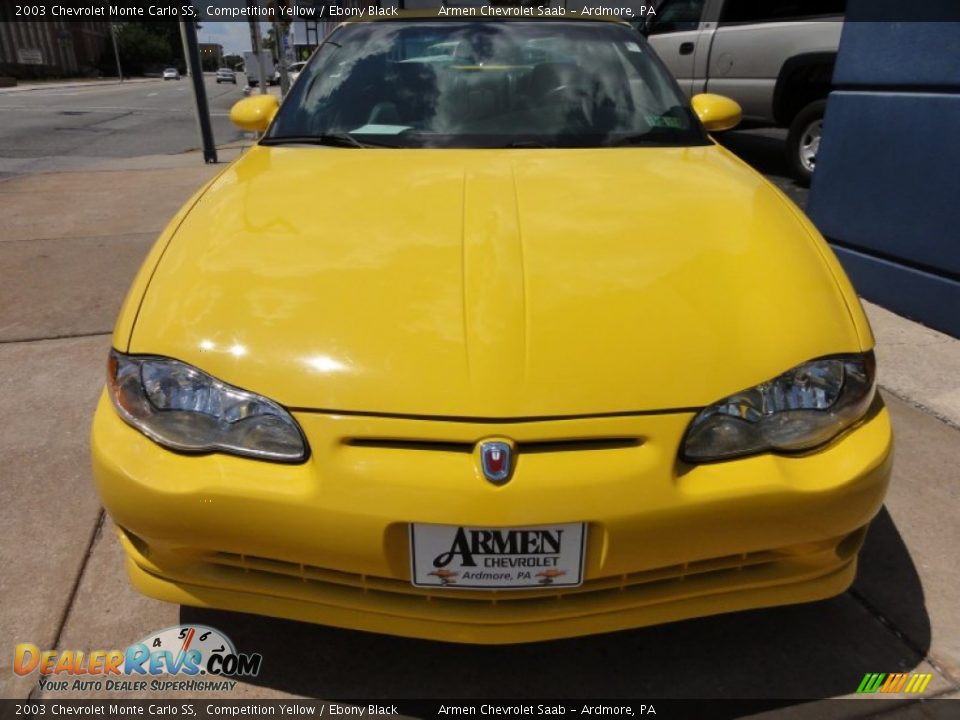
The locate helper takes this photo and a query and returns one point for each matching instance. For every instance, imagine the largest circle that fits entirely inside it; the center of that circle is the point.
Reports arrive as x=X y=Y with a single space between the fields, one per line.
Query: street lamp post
x=256 y=43
x=188 y=32
x=116 y=52
x=280 y=38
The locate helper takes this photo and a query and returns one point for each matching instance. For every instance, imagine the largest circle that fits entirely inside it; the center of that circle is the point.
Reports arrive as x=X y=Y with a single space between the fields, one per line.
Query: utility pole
x=256 y=44
x=116 y=52
x=281 y=39
x=188 y=32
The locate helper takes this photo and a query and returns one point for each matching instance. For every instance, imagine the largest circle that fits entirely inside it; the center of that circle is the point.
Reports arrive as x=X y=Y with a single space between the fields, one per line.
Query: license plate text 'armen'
x=466 y=544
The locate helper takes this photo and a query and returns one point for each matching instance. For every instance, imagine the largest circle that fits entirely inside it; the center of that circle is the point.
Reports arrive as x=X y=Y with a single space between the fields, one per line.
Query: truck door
x=755 y=38
x=681 y=37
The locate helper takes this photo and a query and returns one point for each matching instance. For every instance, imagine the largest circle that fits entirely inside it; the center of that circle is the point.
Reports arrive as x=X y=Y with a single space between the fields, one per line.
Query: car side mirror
x=716 y=112
x=254 y=114
x=642 y=25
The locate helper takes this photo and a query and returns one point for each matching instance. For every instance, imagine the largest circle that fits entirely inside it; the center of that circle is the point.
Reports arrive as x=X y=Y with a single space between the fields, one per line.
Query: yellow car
x=494 y=347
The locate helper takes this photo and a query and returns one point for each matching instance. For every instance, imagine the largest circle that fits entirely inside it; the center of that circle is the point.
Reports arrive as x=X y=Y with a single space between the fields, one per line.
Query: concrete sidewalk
x=919 y=365
x=75 y=232
x=67 y=84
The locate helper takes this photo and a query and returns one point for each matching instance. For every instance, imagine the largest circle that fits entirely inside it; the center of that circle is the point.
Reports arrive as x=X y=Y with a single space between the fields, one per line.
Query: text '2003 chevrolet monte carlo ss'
x=486 y=340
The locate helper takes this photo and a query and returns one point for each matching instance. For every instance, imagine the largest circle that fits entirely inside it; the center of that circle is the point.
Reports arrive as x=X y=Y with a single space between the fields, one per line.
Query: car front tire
x=803 y=141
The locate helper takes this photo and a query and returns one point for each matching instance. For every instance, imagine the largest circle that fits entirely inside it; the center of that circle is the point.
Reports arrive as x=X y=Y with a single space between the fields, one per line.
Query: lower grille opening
x=713 y=567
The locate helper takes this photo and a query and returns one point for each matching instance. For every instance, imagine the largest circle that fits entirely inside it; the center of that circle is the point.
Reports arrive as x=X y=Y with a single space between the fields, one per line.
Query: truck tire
x=803 y=141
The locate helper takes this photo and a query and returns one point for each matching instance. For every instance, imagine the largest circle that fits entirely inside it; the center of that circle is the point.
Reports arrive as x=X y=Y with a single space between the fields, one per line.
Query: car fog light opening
x=799 y=410
x=183 y=408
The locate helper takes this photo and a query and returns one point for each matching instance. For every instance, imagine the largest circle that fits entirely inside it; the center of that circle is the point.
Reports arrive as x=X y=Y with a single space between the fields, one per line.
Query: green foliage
x=271 y=41
x=149 y=46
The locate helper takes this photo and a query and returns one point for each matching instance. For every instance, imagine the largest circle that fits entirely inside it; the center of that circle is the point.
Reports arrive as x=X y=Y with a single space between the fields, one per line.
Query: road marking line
x=152 y=94
x=61 y=108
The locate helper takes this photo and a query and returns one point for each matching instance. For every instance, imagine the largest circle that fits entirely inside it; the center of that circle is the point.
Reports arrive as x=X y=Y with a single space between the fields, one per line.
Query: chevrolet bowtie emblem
x=496 y=461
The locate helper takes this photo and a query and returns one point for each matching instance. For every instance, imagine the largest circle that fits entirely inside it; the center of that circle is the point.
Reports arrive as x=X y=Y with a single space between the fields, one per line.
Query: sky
x=234 y=36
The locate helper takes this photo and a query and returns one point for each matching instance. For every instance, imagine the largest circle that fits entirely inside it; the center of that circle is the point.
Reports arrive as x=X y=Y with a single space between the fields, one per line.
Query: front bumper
x=327 y=541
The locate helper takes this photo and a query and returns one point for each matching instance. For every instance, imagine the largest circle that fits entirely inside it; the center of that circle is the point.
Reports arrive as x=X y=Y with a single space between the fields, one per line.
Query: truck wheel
x=803 y=141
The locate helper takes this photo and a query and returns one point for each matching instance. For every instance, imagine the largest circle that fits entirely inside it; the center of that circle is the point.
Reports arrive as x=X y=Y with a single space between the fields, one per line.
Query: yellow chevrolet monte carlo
x=487 y=341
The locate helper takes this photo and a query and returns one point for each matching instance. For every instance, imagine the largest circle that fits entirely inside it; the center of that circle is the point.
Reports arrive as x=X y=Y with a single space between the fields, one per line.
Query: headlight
x=799 y=410
x=185 y=409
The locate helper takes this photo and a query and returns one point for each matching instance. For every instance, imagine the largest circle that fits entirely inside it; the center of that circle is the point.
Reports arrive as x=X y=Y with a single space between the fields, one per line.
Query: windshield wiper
x=525 y=143
x=647 y=138
x=331 y=139
x=658 y=134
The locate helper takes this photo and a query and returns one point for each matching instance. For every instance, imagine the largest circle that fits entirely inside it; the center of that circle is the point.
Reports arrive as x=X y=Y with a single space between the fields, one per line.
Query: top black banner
x=320 y=11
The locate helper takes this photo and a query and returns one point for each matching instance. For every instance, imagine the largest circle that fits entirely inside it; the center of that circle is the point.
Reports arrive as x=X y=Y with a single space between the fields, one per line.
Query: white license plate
x=455 y=556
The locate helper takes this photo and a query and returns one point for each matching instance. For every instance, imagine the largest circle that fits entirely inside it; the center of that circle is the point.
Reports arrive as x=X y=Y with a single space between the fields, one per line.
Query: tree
x=270 y=43
x=143 y=46
x=150 y=46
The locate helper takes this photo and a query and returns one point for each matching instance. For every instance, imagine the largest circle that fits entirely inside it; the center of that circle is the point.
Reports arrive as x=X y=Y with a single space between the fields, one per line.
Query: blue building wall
x=886 y=193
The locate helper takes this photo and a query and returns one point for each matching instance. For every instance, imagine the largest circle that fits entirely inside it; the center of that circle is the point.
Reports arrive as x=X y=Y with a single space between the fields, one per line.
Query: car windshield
x=486 y=84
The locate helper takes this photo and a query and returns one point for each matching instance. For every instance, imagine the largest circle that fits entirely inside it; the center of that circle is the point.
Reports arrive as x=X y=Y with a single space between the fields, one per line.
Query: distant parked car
x=171 y=74
x=293 y=72
x=226 y=75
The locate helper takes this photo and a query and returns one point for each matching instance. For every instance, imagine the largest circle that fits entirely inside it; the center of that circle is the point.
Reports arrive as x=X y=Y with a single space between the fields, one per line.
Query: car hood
x=493 y=283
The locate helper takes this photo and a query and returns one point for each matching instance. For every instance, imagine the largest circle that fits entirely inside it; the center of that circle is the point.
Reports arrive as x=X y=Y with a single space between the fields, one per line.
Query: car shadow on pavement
x=817 y=650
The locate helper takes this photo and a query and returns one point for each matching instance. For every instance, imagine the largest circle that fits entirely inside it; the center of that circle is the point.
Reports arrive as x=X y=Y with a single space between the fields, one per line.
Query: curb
x=66 y=86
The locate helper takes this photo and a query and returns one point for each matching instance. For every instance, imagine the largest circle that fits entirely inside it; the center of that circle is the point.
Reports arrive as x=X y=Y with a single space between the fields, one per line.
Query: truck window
x=677 y=16
x=756 y=11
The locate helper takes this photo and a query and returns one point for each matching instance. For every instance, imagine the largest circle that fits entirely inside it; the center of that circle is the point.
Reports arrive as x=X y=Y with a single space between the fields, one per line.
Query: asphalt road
x=116 y=120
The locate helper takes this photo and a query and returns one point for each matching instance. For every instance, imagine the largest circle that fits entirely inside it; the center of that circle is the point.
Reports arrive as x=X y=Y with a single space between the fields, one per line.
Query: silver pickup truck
x=774 y=57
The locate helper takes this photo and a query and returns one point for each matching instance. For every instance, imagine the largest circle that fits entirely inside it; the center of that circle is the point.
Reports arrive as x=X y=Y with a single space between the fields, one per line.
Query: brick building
x=211 y=54
x=54 y=48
